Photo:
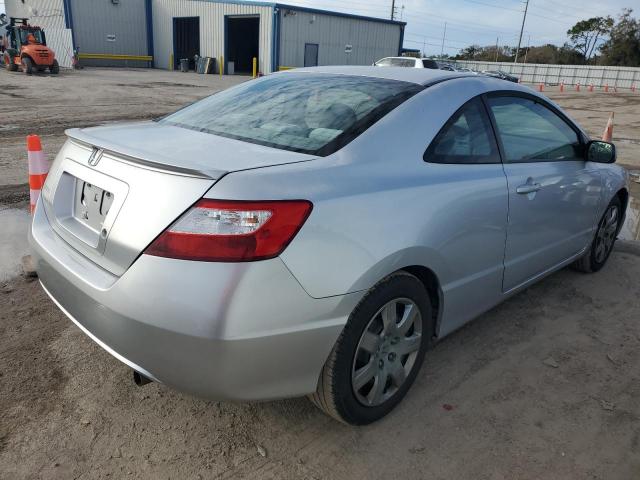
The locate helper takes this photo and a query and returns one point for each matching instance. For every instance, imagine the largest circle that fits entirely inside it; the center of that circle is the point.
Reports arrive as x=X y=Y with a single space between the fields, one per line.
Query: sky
x=479 y=21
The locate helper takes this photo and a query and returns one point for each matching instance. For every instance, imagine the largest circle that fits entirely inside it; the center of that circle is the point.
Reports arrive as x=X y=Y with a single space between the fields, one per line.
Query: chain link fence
x=614 y=77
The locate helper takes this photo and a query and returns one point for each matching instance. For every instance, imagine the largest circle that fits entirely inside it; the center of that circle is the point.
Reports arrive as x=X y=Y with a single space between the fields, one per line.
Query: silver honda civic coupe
x=314 y=232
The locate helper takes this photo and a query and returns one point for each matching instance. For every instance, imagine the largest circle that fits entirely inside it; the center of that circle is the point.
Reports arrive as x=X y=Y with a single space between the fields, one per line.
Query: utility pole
x=524 y=18
x=497 y=40
x=393 y=8
x=444 y=34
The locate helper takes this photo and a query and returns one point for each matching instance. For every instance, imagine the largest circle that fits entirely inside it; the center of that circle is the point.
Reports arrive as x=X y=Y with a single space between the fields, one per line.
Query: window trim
x=492 y=135
x=527 y=96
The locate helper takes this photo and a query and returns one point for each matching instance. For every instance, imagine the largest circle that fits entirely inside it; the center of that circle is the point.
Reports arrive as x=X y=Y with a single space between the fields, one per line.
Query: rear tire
x=27 y=65
x=378 y=354
x=605 y=238
x=9 y=63
x=54 y=68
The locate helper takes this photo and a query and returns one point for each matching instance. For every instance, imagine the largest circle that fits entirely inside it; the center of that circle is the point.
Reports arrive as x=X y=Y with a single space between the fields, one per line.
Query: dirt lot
x=545 y=386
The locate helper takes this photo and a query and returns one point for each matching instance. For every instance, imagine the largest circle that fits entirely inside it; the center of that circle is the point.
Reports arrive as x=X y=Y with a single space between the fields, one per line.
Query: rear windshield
x=309 y=113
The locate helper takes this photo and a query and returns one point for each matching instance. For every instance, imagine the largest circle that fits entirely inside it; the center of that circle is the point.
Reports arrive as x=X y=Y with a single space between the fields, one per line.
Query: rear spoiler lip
x=136 y=157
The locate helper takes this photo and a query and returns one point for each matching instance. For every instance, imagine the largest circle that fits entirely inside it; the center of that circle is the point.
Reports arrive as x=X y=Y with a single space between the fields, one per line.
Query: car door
x=468 y=203
x=553 y=191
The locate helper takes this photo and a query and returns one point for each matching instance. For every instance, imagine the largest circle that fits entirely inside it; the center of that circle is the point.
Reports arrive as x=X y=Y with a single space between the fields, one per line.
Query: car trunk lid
x=112 y=190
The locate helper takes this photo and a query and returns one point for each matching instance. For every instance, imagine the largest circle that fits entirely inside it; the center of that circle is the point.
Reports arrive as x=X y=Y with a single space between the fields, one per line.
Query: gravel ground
x=544 y=386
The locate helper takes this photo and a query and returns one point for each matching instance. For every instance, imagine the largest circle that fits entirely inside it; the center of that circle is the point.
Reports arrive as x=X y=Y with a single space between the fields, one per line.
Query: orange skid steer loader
x=27 y=49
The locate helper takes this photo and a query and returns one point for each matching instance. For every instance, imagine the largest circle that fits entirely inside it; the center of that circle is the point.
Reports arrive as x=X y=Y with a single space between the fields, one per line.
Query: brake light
x=232 y=231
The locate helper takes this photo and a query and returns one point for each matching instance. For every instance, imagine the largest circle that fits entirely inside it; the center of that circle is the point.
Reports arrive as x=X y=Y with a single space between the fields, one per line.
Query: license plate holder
x=92 y=204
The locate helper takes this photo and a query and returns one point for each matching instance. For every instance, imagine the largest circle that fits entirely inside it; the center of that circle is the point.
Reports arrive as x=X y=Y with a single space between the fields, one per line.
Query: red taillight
x=232 y=231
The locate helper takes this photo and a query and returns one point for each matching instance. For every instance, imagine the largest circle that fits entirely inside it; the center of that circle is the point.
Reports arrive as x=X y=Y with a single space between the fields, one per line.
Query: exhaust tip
x=139 y=379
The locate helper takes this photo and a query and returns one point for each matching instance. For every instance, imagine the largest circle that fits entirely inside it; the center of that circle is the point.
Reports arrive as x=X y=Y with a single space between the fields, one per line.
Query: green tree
x=585 y=34
x=623 y=46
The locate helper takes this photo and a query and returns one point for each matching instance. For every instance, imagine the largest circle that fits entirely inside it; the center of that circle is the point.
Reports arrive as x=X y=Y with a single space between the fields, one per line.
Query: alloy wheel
x=386 y=352
x=606 y=234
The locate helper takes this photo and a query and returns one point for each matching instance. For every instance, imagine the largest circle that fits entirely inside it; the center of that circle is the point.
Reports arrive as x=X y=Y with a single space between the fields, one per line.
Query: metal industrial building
x=160 y=32
x=105 y=32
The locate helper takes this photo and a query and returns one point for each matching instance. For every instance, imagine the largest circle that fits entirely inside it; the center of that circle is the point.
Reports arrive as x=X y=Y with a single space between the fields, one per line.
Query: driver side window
x=531 y=132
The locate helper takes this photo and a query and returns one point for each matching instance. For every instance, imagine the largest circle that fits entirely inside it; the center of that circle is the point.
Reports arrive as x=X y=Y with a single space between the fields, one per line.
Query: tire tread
x=325 y=395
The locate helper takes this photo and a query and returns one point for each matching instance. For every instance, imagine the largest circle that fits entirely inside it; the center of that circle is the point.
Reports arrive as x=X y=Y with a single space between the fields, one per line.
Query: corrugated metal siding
x=48 y=14
x=211 y=28
x=370 y=40
x=95 y=22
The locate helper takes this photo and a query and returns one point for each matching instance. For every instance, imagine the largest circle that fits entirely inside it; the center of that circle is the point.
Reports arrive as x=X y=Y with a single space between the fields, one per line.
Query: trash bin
x=184 y=64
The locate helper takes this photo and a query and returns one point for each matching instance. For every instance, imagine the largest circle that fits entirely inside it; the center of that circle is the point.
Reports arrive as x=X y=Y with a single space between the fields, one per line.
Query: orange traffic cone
x=541 y=87
x=577 y=87
x=591 y=87
x=633 y=88
x=607 y=135
x=561 y=87
x=38 y=169
x=606 y=87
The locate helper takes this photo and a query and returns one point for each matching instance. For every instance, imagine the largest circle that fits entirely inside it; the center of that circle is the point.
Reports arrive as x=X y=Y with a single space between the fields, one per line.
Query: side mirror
x=601 y=152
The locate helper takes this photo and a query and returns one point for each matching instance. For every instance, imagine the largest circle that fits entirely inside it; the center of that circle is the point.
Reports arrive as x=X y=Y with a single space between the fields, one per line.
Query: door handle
x=528 y=188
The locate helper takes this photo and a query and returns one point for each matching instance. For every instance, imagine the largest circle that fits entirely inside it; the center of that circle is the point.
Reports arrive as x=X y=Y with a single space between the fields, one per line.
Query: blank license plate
x=92 y=204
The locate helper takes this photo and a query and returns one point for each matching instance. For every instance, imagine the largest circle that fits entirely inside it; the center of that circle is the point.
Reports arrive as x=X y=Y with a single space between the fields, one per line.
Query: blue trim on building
x=173 y=44
x=274 y=14
x=275 y=41
x=308 y=10
x=148 y=11
x=337 y=14
x=225 y=55
x=401 y=40
x=68 y=20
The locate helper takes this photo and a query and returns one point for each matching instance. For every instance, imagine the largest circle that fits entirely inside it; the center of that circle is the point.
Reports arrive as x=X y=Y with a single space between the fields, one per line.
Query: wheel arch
x=431 y=283
x=623 y=195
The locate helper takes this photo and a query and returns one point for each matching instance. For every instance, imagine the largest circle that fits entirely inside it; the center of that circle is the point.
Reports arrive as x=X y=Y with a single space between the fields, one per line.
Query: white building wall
x=48 y=14
x=211 y=28
x=341 y=40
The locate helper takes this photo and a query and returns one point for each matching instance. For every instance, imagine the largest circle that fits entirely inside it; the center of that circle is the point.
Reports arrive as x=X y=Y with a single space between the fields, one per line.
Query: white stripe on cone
x=34 y=195
x=607 y=135
x=38 y=164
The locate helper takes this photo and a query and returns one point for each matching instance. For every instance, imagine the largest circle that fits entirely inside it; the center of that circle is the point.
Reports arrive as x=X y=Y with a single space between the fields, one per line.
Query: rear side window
x=309 y=113
x=531 y=132
x=429 y=64
x=466 y=138
x=385 y=62
x=403 y=62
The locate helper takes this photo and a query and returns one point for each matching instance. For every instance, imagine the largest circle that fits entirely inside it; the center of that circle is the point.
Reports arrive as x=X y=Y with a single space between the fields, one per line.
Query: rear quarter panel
x=379 y=207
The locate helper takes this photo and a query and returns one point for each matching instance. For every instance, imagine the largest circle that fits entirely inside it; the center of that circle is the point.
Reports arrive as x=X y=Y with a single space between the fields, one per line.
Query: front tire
x=54 y=68
x=27 y=65
x=379 y=353
x=602 y=245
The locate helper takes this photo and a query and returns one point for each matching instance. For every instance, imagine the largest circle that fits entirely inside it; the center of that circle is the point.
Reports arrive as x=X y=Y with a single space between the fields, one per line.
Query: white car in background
x=410 y=62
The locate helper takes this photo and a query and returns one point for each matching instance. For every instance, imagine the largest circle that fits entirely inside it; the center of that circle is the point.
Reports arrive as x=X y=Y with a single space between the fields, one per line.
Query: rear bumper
x=230 y=331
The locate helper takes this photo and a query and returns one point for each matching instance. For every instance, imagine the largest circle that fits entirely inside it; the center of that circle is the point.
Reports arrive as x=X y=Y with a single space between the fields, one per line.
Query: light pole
x=444 y=34
x=524 y=18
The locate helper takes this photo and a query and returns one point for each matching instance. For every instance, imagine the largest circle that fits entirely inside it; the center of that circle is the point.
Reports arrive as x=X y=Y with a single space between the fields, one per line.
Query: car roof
x=420 y=76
